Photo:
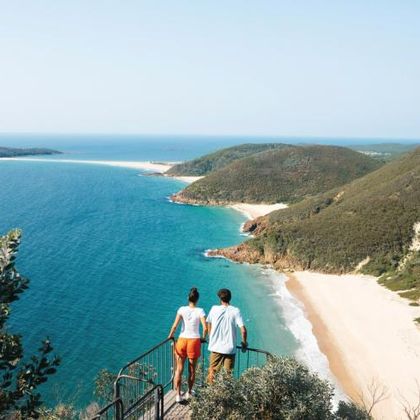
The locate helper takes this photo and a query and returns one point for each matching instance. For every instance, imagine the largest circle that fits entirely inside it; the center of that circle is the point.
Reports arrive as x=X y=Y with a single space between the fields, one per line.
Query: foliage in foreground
x=281 y=389
x=19 y=378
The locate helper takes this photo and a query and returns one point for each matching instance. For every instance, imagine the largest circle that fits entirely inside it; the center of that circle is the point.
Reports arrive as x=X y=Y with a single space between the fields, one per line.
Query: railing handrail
x=145 y=354
x=118 y=405
x=267 y=353
x=173 y=340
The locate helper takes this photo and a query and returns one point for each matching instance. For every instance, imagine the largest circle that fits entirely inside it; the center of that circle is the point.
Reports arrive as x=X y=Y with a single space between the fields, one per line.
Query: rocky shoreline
x=179 y=197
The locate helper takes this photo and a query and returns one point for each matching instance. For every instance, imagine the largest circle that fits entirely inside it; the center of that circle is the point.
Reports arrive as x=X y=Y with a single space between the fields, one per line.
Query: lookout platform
x=143 y=389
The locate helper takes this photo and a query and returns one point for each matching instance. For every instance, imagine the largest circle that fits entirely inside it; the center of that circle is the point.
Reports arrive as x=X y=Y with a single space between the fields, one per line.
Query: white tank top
x=190 y=321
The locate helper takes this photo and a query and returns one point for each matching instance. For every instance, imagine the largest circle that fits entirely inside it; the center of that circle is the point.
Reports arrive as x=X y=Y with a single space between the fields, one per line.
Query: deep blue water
x=110 y=259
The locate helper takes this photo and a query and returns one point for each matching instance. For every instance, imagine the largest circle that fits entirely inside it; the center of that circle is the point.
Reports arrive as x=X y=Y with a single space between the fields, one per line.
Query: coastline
x=354 y=319
x=251 y=211
x=325 y=339
x=160 y=168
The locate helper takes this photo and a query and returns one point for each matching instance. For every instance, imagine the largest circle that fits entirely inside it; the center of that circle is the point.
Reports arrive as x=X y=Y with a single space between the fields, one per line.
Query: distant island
x=10 y=152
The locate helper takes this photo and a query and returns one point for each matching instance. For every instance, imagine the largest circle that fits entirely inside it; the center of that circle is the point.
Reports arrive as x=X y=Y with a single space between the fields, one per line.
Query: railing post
x=173 y=359
x=118 y=407
x=120 y=411
x=158 y=404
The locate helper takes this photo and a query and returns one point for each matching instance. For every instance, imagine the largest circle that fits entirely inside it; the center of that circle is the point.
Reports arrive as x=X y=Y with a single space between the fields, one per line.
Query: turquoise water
x=110 y=259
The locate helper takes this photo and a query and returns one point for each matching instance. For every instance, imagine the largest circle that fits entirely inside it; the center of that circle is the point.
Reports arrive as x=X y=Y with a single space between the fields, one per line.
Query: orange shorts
x=188 y=347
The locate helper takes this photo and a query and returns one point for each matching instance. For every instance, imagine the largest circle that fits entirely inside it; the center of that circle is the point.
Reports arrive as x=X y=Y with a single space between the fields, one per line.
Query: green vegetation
x=217 y=160
x=104 y=386
x=373 y=216
x=406 y=278
x=14 y=152
x=286 y=175
x=19 y=379
x=281 y=389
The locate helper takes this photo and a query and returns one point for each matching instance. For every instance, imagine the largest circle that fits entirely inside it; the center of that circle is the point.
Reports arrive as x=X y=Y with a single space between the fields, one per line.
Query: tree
x=281 y=389
x=19 y=377
x=104 y=386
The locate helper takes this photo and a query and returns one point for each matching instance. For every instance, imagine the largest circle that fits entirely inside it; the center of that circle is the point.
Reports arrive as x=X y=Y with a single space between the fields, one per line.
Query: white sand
x=149 y=166
x=368 y=334
x=252 y=211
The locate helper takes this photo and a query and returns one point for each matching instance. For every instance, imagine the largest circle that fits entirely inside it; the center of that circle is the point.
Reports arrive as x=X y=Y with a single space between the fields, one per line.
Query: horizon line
x=262 y=136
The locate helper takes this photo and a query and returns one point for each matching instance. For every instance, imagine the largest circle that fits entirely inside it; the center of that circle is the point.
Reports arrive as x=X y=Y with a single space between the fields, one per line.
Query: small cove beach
x=368 y=334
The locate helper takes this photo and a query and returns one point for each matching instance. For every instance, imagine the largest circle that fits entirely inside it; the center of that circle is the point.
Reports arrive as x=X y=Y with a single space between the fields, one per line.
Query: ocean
x=111 y=258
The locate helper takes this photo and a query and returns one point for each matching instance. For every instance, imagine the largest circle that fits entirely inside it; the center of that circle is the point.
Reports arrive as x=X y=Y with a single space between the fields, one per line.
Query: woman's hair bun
x=193 y=295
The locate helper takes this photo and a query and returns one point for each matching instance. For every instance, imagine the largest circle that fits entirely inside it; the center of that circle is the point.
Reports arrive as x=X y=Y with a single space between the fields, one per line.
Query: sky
x=291 y=68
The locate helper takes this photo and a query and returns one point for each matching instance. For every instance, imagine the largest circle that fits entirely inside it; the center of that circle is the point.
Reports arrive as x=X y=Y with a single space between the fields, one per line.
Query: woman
x=189 y=342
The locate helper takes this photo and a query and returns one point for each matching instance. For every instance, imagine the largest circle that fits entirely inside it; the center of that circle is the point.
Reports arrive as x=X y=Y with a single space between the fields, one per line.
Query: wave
x=207 y=255
x=294 y=314
x=241 y=230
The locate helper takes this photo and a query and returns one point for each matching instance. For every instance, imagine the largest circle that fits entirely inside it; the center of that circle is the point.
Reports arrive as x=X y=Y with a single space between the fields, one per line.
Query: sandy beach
x=158 y=167
x=252 y=211
x=148 y=166
x=368 y=334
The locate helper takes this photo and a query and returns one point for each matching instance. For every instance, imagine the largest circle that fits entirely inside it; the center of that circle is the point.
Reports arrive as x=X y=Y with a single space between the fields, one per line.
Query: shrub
x=281 y=389
x=351 y=411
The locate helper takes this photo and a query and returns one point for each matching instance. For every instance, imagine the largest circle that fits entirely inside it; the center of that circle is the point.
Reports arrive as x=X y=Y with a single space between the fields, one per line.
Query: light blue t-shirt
x=224 y=320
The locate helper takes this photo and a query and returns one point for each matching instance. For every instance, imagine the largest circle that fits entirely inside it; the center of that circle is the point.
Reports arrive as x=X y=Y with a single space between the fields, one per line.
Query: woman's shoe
x=178 y=399
x=189 y=395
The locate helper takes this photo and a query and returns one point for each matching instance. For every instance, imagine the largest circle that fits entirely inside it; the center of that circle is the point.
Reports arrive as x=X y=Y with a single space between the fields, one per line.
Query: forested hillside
x=285 y=175
x=217 y=160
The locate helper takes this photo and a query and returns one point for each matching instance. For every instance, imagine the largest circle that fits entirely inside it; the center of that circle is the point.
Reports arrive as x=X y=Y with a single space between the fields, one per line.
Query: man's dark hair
x=224 y=295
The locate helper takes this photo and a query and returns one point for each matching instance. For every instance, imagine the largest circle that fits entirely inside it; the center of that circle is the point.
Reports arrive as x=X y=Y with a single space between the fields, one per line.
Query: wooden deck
x=173 y=410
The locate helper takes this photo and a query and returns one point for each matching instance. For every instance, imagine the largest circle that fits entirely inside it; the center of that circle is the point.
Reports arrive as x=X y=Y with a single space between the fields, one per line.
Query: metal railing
x=245 y=358
x=142 y=383
x=138 y=377
x=113 y=411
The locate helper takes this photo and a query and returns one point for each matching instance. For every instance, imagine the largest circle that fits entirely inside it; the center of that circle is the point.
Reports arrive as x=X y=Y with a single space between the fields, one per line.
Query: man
x=222 y=322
